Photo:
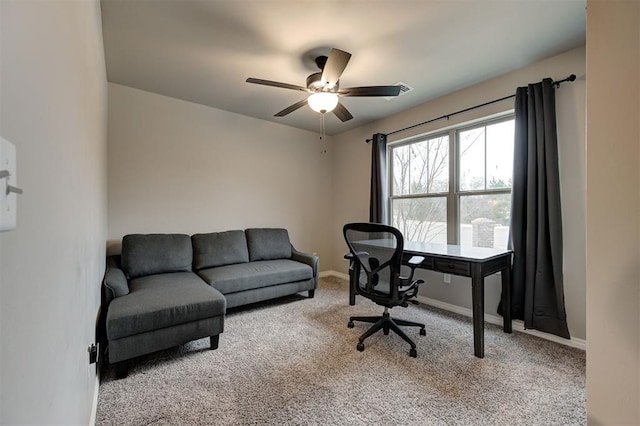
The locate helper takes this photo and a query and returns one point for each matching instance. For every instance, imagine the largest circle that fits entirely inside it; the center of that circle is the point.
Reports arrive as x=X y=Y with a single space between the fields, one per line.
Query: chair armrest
x=349 y=256
x=412 y=264
x=309 y=259
x=415 y=261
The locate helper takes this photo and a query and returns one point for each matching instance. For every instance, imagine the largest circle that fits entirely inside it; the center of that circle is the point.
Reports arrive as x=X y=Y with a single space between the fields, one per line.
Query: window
x=465 y=201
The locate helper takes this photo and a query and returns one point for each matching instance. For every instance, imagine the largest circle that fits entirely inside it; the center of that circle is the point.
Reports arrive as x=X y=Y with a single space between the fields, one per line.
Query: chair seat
x=380 y=294
x=160 y=301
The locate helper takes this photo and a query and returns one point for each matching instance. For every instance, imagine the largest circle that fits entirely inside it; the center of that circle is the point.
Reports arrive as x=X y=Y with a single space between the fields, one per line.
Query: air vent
x=404 y=88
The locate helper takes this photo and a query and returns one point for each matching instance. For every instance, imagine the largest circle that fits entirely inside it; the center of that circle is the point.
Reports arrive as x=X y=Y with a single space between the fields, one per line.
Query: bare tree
x=420 y=168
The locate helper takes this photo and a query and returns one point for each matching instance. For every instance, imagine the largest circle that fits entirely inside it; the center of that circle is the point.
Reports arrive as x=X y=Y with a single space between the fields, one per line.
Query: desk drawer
x=452 y=267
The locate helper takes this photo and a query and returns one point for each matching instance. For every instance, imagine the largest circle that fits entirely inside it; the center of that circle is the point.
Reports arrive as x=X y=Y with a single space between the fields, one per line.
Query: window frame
x=454 y=193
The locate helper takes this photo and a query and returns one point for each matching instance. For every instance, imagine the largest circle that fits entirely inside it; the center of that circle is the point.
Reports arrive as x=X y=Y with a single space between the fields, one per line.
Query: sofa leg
x=121 y=369
x=312 y=293
x=214 y=341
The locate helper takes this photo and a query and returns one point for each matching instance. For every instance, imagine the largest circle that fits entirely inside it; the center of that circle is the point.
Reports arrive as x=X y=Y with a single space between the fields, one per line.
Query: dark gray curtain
x=378 y=200
x=536 y=218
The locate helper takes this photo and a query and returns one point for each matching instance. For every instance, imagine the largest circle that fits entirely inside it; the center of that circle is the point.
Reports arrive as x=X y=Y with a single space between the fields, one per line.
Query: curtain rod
x=572 y=77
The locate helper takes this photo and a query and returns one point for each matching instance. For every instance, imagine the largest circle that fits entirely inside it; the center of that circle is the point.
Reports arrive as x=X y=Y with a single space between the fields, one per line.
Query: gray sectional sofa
x=167 y=289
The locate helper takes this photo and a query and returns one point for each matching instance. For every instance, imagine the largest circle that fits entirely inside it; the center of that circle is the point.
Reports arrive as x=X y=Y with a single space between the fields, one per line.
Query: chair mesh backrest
x=377 y=250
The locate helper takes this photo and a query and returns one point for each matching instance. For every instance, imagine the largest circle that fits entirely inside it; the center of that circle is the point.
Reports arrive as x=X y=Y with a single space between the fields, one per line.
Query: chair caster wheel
x=423 y=332
x=386 y=331
x=350 y=324
x=413 y=353
x=360 y=346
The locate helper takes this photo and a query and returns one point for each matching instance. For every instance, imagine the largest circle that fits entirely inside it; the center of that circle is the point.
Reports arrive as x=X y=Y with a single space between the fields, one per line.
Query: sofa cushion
x=219 y=248
x=159 y=301
x=268 y=244
x=156 y=254
x=248 y=276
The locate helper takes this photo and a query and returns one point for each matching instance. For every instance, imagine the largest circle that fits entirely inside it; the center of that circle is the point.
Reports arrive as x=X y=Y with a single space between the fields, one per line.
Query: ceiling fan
x=324 y=87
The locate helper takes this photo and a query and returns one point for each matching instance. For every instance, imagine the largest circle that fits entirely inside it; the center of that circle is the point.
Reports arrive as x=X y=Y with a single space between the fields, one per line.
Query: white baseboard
x=94 y=406
x=333 y=274
x=517 y=325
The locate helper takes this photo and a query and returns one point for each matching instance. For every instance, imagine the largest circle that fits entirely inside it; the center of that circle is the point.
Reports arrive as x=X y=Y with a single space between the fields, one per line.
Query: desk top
x=455 y=251
x=481 y=254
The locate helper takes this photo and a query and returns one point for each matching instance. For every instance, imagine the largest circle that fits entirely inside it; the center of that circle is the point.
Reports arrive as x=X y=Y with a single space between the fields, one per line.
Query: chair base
x=386 y=323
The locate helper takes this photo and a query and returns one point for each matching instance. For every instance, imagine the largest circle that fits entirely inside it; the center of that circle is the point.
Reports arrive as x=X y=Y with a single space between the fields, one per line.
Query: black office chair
x=375 y=253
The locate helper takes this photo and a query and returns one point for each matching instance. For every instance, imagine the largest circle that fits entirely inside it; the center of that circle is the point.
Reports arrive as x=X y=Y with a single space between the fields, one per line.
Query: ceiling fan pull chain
x=323 y=142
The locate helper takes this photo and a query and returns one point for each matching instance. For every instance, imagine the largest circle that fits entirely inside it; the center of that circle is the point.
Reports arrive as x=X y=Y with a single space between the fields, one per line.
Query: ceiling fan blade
x=276 y=84
x=291 y=108
x=342 y=113
x=333 y=69
x=371 y=91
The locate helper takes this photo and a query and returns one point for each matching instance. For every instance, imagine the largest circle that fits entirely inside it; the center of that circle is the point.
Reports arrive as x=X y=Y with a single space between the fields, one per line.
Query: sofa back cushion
x=219 y=248
x=268 y=243
x=150 y=254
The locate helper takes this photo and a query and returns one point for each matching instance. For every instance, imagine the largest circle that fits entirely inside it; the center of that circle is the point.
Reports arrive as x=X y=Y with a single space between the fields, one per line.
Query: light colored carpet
x=294 y=362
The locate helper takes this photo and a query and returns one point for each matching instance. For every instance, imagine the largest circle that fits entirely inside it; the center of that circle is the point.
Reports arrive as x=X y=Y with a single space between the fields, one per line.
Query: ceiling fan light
x=322 y=102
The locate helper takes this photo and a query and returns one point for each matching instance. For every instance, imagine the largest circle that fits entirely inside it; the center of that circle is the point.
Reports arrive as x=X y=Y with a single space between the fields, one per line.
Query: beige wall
x=164 y=160
x=613 y=212
x=351 y=158
x=54 y=103
x=176 y=166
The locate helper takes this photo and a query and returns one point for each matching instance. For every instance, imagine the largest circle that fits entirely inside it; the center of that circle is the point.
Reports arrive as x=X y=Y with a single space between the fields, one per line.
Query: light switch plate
x=8 y=201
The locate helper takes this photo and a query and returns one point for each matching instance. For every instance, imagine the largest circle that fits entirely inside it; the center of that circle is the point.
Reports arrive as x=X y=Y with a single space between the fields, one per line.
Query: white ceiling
x=203 y=51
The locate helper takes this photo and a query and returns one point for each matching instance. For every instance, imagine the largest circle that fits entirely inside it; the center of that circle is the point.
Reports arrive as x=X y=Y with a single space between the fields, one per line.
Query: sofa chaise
x=167 y=289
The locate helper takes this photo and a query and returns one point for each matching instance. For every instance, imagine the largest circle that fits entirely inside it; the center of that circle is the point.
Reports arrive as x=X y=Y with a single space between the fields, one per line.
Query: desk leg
x=506 y=299
x=477 y=295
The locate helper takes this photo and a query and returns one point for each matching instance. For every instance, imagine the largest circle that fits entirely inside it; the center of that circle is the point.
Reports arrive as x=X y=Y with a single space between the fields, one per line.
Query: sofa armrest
x=309 y=259
x=115 y=282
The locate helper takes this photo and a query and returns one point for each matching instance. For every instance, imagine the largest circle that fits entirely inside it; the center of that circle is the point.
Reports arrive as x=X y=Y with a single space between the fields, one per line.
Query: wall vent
x=404 y=88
